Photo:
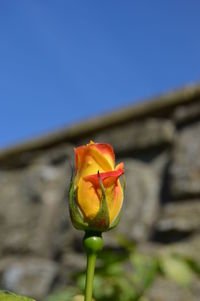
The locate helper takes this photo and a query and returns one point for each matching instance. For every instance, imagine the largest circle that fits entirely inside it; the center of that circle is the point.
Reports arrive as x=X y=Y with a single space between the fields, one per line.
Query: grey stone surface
x=49 y=185
x=166 y=290
x=185 y=167
x=72 y=262
x=160 y=164
x=18 y=215
x=55 y=156
x=38 y=242
x=33 y=209
x=185 y=114
x=188 y=248
x=141 y=202
x=30 y=276
x=139 y=135
x=180 y=216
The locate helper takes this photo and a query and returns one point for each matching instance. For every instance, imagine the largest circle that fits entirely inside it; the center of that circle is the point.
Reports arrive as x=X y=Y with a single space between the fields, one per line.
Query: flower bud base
x=93 y=243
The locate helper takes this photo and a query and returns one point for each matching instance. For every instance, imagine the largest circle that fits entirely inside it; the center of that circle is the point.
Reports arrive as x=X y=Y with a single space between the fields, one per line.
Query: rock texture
x=185 y=167
x=185 y=114
x=160 y=147
x=142 y=194
x=166 y=290
x=181 y=216
x=140 y=135
x=30 y=276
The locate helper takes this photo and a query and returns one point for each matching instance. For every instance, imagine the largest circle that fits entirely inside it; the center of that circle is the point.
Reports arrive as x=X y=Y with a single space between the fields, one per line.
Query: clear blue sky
x=63 y=61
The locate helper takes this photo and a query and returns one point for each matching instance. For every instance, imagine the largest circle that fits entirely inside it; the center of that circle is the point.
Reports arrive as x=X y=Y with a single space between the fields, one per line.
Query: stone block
x=180 y=216
x=185 y=165
x=33 y=209
x=166 y=290
x=186 y=114
x=141 y=203
x=138 y=135
x=30 y=276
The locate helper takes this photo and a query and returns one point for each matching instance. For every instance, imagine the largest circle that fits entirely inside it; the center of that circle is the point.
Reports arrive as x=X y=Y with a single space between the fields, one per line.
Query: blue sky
x=67 y=60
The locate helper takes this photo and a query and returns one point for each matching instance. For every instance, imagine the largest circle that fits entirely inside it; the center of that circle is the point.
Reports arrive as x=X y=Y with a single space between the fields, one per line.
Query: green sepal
x=101 y=221
x=124 y=184
x=76 y=216
x=116 y=221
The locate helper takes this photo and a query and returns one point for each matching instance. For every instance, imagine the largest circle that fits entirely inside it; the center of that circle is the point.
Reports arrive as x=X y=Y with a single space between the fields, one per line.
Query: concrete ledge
x=157 y=106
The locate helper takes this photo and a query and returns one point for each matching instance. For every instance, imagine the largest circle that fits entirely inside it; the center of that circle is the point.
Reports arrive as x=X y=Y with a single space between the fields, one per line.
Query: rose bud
x=96 y=194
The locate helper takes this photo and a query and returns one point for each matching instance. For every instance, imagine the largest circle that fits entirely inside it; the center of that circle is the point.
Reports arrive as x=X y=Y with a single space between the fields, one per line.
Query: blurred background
x=125 y=73
x=66 y=61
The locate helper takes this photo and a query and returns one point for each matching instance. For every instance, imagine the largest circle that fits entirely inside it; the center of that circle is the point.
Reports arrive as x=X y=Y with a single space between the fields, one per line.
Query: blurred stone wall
x=159 y=142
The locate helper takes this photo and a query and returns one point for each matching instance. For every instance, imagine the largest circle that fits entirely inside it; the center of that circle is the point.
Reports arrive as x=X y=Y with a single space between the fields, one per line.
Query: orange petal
x=93 y=157
x=80 y=153
x=108 y=178
x=120 y=166
x=103 y=154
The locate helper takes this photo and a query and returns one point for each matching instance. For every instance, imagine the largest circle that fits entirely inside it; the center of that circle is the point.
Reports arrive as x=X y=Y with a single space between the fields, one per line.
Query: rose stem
x=93 y=243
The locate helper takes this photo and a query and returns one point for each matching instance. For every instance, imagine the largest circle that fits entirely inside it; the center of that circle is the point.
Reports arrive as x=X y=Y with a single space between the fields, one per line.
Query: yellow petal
x=88 y=199
x=114 y=197
x=103 y=155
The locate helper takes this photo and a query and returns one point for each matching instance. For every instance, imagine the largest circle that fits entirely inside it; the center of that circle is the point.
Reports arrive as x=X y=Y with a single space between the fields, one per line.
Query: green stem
x=93 y=243
x=91 y=259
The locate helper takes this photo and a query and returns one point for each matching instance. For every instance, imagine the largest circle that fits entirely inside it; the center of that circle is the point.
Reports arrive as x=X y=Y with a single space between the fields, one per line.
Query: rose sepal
x=115 y=222
x=101 y=221
x=76 y=216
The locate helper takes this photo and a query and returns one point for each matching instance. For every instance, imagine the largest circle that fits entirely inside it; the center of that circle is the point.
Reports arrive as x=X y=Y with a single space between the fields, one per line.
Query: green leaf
x=8 y=296
x=145 y=268
x=176 y=269
x=125 y=242
x=66 y=294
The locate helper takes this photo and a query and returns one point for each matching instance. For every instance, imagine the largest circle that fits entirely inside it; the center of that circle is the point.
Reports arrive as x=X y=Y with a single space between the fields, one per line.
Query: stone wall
x=160 y=145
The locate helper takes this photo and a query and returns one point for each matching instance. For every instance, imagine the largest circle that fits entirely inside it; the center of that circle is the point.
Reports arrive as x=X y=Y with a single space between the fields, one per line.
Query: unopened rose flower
x=96 y=194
